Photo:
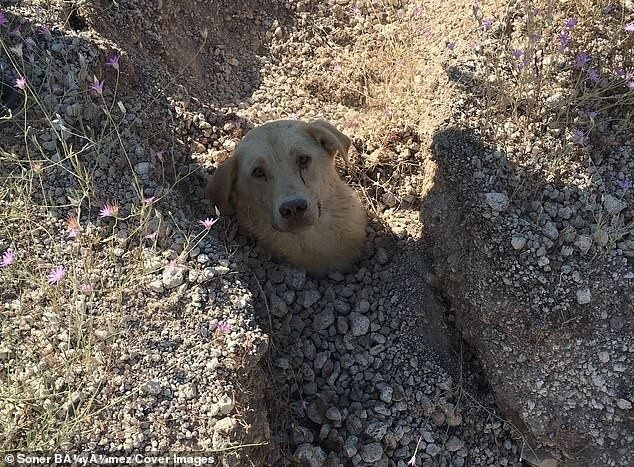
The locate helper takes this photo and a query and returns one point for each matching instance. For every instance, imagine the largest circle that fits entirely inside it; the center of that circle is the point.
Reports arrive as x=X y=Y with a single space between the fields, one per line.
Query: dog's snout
x=294 y=208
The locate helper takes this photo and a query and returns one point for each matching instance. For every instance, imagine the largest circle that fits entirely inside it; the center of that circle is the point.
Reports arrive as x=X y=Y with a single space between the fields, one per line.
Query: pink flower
x=593 y=75
x=17 y=49
x=8 y=258
x=86 y=287
x=208 y=223
x=20 y=83
x=150 y=236
x=630 y=84
x=97 y=86
x=412 y=461
x=629 y=27
x=149 y=200
x=581 y=60
x=578 y=137
x=157 y=154
x=113 y=61
x=56 y=275
x=222 y=326
x=487 y=23
x=110 y=209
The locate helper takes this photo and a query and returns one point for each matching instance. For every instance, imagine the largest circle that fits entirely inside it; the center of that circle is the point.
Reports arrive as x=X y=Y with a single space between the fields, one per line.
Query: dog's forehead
x=274 y=137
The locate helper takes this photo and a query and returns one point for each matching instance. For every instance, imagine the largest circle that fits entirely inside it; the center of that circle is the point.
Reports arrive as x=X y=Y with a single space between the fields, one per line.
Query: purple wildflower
x=3 y=19
x=208 y=223
x=20 y=83
x=8 y=258
x=15 y=32
x=223 y=327
x=43 y=31
x=31 y=57
x=581 y=60
x=630 y=84
x=412 y=461
x=592 y=114
x=417 y=11
x=109 y=210
x=97 y=86
x=113 y=61
x=564 y=40
x=517 y=54
x=487 y=23
x=593 y=75
x=629 y=27
x=620 y=72
x=157 y=154
x=570 y=23
x=56 y=275
x=17 y=49
x=355 y=10
x=451 y=45
x=578 y=137
x=609 y=9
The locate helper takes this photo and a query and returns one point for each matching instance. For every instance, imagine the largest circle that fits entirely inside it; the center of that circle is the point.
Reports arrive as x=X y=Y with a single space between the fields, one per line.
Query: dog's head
x=281 y=170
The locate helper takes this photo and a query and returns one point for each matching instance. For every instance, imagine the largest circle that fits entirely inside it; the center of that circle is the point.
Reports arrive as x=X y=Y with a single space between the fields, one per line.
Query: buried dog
x=282 y=183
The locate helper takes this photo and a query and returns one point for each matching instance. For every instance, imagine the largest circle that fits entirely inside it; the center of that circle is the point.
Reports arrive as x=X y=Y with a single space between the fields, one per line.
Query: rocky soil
x=488 y=323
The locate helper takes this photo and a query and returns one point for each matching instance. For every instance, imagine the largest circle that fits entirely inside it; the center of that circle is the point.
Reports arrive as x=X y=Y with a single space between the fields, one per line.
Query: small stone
x=278 y=306
x=189 y=391
x=295 y=278
x=153 y=388
x=604 y=357
x=233 y=61
x=371 y=452
x=454 y=444
x=362 y=306
x=197 y=147
x=308 y=455
x=173 y=276
x=583 y=242
x=432 y=449
x=518 y=242
x=497 y=201
x=351 y=446
x=386 y=394
x=613 y=205
x=584 y=296
x=142 y=168
x=333 y=413
x=309 y=298
x=225 y=404
x=323 y=319
x=278 y=32
x=543 y=261
x=550 y=230
x=101 y=334
x=359 y=324
x=624 y=404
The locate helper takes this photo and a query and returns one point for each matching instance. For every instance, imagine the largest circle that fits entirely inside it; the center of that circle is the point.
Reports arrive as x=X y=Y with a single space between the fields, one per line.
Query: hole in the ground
x=75 y=21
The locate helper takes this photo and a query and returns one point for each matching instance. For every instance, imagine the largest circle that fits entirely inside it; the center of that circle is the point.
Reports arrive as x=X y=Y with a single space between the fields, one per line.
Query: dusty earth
x=489 y=321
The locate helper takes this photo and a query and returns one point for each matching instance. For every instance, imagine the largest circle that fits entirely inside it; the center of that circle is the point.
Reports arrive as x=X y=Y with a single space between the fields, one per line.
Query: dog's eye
x=303 y=161
x=258 y=172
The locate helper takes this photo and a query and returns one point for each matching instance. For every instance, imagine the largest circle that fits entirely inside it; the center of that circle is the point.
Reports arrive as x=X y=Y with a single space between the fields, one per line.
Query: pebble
x=497 y=201
x=518 y=242
x=584 y=296
x=359 y=324
x=173 y=276
x=371 y=452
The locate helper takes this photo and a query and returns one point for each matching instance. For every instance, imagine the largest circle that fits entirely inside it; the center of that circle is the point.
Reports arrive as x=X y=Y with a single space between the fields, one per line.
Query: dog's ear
x=331 y=139
x=220 y=185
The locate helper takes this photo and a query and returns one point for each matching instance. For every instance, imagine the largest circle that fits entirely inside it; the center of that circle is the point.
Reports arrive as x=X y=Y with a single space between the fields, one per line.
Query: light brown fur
x=267 y=171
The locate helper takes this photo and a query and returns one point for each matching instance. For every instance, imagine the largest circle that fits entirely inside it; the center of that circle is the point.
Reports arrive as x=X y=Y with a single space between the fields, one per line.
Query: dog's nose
x=293 y=208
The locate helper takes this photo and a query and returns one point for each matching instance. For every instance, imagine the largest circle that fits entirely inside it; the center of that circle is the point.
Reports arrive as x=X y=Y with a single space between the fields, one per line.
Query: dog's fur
x=292 y=163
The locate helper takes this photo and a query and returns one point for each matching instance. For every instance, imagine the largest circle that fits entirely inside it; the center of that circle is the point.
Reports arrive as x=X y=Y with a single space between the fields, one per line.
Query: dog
x=282 y=184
